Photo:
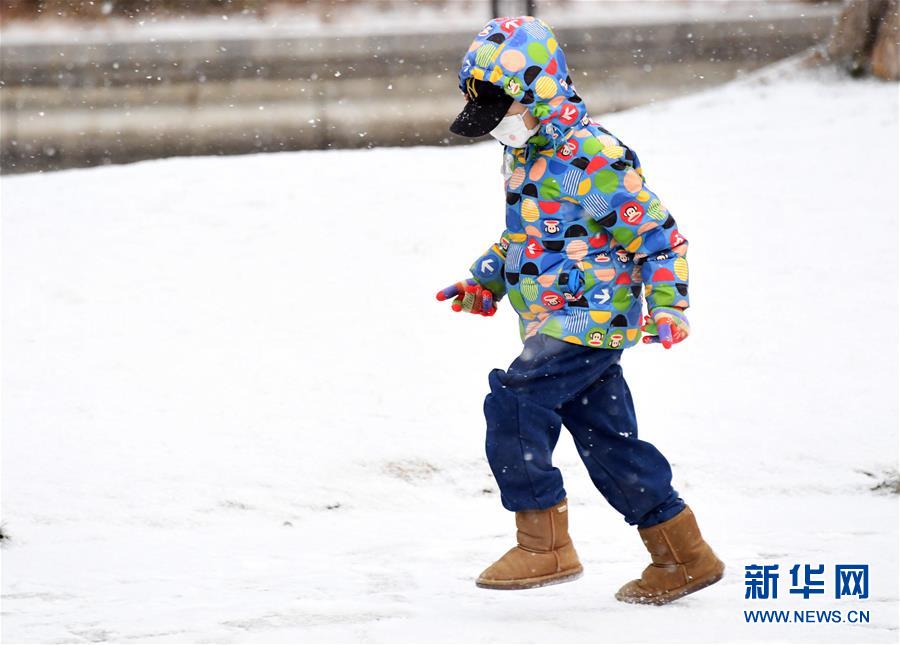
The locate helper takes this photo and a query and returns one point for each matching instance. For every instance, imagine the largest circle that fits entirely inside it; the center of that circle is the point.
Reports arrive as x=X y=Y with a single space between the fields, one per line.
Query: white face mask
x=512 y=131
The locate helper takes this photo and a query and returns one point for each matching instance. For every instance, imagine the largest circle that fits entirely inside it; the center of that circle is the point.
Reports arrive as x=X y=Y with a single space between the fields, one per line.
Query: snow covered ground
x=233 y=412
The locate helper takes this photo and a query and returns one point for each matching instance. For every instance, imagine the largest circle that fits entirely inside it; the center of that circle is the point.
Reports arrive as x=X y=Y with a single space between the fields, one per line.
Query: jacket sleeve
x=488 y=268
x=617 y=197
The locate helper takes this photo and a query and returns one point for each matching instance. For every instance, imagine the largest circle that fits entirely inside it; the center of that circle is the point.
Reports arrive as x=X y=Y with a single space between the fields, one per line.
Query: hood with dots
x=522 y=56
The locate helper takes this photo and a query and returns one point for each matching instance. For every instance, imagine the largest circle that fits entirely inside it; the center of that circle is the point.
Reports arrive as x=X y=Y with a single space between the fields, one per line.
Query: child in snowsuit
x=585 y=240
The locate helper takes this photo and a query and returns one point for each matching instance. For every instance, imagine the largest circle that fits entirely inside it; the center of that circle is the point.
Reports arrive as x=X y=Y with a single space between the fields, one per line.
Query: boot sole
x=665 y=599
x=531 y=583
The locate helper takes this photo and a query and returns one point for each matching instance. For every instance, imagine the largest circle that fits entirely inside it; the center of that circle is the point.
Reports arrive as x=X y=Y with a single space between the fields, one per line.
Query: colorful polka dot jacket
x=585 y=238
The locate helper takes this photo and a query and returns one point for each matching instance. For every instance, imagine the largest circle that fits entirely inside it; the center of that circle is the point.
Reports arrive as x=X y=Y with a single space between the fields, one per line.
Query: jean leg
x=634 y=477
x=523 y=420
x=519 y=445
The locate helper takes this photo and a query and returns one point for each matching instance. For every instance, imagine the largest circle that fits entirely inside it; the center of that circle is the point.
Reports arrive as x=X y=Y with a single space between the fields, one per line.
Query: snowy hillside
x=233 y=411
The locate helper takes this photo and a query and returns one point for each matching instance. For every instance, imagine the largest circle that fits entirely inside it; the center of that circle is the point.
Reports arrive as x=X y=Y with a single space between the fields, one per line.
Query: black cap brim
x=480 y=117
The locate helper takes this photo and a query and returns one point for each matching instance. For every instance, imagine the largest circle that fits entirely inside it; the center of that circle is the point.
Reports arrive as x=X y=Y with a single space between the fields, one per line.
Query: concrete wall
x=87 y=103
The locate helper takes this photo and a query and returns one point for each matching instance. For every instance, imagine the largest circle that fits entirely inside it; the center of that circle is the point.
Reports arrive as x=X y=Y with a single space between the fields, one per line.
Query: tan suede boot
x=544 y=554
x=682 y=563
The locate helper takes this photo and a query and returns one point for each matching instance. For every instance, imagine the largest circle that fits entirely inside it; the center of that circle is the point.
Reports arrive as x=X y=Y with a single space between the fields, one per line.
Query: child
x=583 y=234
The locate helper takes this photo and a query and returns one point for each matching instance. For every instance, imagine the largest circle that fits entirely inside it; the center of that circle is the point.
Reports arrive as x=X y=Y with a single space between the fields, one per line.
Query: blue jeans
x=552 y=383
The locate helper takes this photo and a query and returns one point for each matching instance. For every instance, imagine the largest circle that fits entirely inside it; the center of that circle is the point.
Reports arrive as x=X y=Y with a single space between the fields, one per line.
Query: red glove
x=469 y=296
x=666 y=325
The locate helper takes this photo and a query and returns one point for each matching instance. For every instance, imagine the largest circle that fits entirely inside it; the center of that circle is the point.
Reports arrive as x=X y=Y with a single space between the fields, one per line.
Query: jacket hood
x=522 y=56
